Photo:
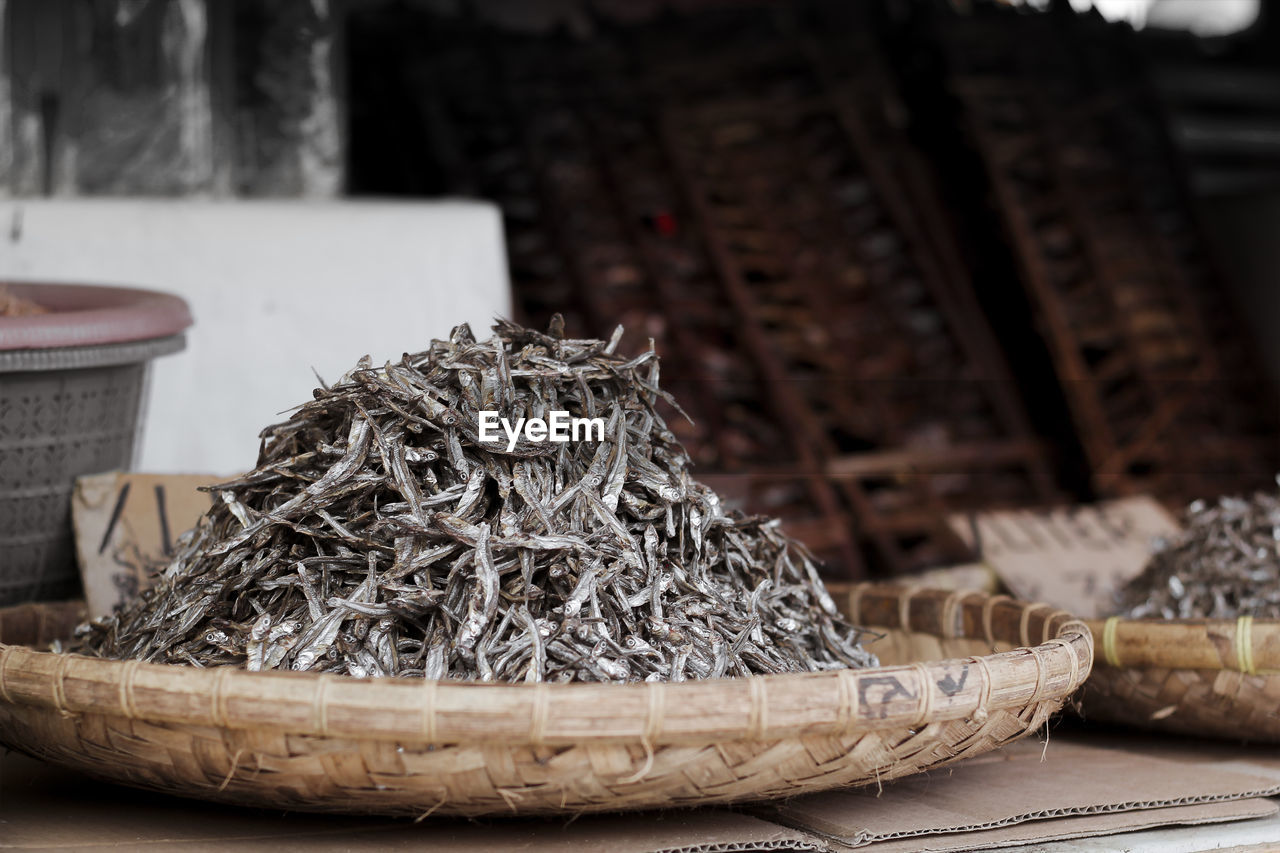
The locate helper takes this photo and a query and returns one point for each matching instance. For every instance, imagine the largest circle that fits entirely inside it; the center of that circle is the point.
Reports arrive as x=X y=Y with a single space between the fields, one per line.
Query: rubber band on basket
x=981 y=713
x=429 y=710
x=988 y=608
x=950 y=626
x=1041 y=674
x=904 y=608
x=1048 y=633
x=1244 y=645
x=4 y=664
x=60 y=685
x=1075 y=661
x=846 y=714
x=758 y=720
x=127 y=705
x=538 y=723
x=654 y=719
x=1024 y=621
x=219 y=708
x=855 y=603
x=926 y=695
x=319 y=706
x=655 y=700
x=1109 y=641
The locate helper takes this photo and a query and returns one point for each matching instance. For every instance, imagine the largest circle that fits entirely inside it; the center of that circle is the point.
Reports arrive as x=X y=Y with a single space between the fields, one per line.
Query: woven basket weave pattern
x=410 y=747
x=1216 y=678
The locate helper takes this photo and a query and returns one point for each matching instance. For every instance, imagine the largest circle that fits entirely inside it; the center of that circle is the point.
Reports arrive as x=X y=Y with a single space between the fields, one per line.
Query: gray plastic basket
x=67 y=411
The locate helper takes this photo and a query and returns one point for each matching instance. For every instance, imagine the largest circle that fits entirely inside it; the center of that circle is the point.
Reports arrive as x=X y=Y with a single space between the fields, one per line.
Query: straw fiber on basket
x=400 y=746
x=1205 y=677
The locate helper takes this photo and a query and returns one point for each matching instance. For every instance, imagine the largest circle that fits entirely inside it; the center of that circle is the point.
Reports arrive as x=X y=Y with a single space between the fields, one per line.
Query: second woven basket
x=1202 y=677
x=954 y=685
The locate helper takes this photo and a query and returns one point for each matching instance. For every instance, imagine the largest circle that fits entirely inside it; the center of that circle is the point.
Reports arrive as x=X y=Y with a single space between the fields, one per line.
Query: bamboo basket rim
x=756 y=708
x=1245 y=644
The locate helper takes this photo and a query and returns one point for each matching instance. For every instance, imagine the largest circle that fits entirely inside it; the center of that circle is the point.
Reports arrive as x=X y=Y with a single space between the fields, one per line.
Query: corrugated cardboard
x=1080 y=826
x=1073 y=557
x=126 y=525
x=1015 y=785
x=1189 y=753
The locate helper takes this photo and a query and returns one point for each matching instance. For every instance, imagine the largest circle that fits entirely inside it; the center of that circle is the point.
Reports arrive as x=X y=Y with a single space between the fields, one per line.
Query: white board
x=276 y=288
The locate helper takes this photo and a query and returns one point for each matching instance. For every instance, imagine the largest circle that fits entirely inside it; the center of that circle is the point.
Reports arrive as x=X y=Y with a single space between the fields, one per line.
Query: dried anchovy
x=378 y=536
x=1225 y=564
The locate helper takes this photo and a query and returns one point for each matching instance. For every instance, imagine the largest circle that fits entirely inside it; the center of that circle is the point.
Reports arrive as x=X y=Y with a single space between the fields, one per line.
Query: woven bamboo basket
x=412 y=747
x=1204 y=677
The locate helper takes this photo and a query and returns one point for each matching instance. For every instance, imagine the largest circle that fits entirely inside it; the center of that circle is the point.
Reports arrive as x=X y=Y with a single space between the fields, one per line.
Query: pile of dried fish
x=1226 y=563
x=380 y=535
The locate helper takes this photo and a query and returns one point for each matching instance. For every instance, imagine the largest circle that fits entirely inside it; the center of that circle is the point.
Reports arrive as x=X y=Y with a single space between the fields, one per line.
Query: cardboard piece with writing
x=1014 y=786
x=126 y=525
x=1077 y=827
x=1075 y=557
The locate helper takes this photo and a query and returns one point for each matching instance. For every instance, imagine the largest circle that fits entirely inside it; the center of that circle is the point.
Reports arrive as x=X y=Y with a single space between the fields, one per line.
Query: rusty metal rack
x=1164 y=396
x=729 y=184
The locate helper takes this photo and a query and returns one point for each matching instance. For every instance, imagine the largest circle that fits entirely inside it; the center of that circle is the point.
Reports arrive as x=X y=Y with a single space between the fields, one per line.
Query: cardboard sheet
x=1076 y=827
x=1074 y=557
x=1014 y=786
x=1191 y=754
x=1259 y=835
x=126 y=525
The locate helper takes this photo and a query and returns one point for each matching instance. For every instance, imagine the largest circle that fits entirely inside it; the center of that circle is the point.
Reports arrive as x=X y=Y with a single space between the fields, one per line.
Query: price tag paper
x=1075 y=557
x=126 y=526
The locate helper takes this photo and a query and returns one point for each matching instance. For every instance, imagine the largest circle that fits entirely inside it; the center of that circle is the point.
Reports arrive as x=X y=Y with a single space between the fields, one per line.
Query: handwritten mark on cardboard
x=125 y=525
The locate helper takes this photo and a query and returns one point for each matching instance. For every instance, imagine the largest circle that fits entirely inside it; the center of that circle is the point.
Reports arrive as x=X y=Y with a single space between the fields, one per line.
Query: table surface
x=1244 y=835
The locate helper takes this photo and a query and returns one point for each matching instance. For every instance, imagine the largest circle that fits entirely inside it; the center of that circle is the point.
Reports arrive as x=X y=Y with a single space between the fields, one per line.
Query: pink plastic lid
x=83 y=315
